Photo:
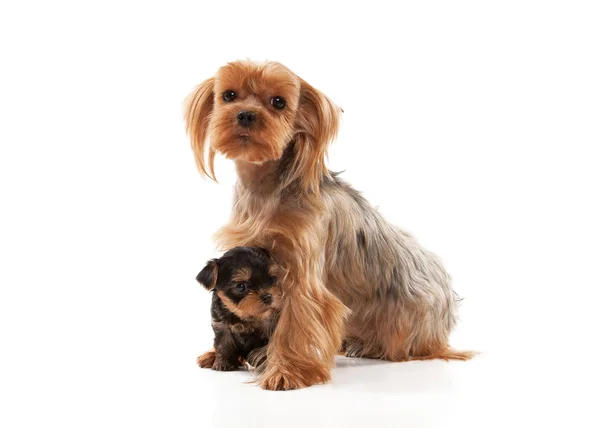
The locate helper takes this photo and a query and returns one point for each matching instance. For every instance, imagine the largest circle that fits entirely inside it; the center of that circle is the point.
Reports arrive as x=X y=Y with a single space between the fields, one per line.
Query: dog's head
x=245 y=279
x=253 y=112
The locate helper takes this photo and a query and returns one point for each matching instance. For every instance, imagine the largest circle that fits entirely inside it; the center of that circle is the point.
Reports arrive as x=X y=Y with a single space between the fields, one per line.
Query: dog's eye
x=229 y=96
x=240 y=288
x=278 y=102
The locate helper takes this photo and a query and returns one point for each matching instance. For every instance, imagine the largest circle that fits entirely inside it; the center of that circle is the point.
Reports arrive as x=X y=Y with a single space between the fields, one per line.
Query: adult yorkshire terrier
x=347 y=274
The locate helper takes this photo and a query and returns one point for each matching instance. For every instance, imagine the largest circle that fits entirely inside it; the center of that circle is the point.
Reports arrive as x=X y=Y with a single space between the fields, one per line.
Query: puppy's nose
x=266 y=298
x=246 y=118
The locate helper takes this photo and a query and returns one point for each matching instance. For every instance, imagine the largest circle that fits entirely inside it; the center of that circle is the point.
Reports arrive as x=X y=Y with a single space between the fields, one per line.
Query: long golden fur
x=348 y=275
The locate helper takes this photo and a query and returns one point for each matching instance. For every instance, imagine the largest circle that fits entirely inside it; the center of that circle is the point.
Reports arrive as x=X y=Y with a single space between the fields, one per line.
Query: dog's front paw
x=282 y=382
x=224 y=366
x=278 y=380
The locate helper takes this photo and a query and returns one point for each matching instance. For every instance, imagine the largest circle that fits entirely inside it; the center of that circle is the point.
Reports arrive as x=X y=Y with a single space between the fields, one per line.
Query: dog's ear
x=198 y=109
x=208 y=275
x=317 y=123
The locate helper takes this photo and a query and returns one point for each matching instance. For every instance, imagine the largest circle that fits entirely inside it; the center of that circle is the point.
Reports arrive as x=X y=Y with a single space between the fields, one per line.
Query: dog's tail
x=452 y=354
x=448 y=354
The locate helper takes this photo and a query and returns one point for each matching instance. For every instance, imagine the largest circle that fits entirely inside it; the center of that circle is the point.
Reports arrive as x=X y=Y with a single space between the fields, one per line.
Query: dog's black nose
x=245 y=118
x=266 y=298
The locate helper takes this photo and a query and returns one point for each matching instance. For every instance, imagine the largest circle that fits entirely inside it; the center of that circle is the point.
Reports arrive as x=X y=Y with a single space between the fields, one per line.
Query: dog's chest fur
x=267 y=220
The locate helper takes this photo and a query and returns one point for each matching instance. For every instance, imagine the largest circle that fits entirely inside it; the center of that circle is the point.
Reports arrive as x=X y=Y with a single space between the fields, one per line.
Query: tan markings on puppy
x=250 y=307
x=207 y=359
x=242 y=274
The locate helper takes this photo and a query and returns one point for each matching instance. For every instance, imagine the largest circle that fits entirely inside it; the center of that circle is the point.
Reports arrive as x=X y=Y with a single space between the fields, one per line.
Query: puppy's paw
x=207 y=359
x=224 y=366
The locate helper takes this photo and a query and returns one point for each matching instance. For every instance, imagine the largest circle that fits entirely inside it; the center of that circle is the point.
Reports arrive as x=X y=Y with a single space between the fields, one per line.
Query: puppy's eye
x=241 y=288
x=229 y=96
x=278 y=102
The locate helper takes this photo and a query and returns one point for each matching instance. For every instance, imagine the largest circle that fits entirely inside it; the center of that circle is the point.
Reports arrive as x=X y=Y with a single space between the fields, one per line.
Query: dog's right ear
x=198 y=109
x=208 y=276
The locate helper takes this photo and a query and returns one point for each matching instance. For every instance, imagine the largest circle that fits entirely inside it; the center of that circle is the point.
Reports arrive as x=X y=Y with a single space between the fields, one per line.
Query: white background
x=474 y=125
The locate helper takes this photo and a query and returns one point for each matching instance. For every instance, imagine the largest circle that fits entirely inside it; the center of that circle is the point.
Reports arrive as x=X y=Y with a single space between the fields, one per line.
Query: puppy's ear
x=264 y=251
x=208 y=276
x=273 y=265
x=198 y=109
x=317 y=123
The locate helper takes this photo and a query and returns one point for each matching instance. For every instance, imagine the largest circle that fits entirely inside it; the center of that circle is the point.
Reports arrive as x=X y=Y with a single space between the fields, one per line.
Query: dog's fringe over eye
x=228 y=96
x=278 y=102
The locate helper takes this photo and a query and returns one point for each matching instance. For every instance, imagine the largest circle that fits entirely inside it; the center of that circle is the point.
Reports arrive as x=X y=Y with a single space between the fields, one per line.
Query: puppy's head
x=253 y=112
x=245 y=279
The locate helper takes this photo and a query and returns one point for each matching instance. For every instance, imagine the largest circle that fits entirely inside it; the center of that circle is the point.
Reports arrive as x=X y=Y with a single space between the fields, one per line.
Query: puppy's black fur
x=245 y=306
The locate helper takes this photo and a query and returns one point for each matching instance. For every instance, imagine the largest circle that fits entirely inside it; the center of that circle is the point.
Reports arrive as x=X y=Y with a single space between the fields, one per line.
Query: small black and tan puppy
x=245 y=307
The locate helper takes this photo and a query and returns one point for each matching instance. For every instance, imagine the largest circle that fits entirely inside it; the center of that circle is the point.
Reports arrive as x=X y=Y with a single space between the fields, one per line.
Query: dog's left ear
x=208 y=275
x=317 y=123
x=320 y=116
